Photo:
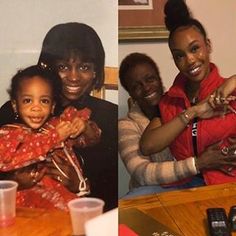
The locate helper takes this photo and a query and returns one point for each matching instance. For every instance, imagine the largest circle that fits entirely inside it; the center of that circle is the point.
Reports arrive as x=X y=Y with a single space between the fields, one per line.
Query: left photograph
x=58 y=116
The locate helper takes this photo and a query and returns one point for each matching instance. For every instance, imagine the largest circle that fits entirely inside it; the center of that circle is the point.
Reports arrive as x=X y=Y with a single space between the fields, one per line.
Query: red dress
x=20 y=146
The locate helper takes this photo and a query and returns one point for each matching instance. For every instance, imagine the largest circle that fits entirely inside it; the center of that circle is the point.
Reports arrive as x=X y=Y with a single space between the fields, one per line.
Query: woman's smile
x=151 y=96
x=73 y=89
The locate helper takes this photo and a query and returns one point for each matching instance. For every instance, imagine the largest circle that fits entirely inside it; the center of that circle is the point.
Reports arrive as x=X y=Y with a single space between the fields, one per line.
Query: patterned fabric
x=209 y=131
x=160 y=168
x=104 y=174
x=20 y=146
x=47 y=194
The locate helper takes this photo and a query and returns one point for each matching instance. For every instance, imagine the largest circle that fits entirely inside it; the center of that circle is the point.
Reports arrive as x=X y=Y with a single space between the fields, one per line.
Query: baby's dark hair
x=48 y=75
x=77 y=39
x=132 y=60
x=178 y=15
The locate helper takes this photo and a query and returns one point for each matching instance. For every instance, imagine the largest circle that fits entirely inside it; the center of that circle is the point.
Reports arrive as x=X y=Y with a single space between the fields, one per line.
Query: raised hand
x=64 y=129
x=78 y=126
x=223 y=95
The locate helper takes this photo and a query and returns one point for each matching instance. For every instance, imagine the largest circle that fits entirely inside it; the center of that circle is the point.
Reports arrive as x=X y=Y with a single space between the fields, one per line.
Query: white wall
x=24 y=24
x=219 y=19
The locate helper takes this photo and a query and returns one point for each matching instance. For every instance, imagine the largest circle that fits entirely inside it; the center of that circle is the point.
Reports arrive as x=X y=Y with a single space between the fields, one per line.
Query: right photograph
x=177 y=117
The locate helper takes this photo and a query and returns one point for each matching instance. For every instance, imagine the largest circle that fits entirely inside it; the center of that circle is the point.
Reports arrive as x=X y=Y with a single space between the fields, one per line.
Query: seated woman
x=139 y=75
x=76 y=52
x=36 y=139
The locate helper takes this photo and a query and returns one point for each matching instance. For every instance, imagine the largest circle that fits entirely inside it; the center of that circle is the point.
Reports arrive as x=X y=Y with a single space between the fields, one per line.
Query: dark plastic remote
x=218 y=222
x=232 y=218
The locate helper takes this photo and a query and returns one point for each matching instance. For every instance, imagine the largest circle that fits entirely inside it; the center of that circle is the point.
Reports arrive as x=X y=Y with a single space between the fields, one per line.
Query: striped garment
x=159 y=168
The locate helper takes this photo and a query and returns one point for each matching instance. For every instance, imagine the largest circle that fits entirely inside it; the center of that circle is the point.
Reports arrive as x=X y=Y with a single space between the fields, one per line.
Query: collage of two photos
x=116 y=117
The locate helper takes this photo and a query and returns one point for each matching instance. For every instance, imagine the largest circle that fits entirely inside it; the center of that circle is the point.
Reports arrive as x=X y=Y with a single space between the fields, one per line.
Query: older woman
x=139 y=75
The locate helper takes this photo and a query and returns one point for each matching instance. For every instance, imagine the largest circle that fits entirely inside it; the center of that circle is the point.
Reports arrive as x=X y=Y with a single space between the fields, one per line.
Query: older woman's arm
x=166 y=170
x=142 y=168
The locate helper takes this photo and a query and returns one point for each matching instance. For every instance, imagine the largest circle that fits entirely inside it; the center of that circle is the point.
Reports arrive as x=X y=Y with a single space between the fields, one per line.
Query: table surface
x=184 y=211
x=40 y=222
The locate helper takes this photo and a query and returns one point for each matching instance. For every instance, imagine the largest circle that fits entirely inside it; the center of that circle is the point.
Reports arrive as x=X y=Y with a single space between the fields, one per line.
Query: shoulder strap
x=194 y=136
x=194 y=129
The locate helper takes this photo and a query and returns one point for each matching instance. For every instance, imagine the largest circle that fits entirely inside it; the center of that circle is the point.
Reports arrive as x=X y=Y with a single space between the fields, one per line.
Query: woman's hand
x=218 y=103
x=26 y=177
x=67 y=176
x=227 y=88
x=78 y=126
x=64 y=129
x=204 y=110
x=214 y=157
x=222 y=96
x=67 y=129
x=208 y=108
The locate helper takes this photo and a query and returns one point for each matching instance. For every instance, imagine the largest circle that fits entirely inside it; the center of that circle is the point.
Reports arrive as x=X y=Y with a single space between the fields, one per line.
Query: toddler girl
x=37 y=140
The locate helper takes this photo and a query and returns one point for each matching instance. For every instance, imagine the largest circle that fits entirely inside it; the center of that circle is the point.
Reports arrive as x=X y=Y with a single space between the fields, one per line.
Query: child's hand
x=78 y=126
x=64 y=129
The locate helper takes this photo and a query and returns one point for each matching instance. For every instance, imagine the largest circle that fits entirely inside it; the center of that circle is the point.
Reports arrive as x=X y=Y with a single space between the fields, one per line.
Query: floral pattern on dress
x=21 y=146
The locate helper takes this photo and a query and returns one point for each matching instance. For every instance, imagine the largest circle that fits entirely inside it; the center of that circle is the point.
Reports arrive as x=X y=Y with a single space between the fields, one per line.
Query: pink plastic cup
x=7 y=202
